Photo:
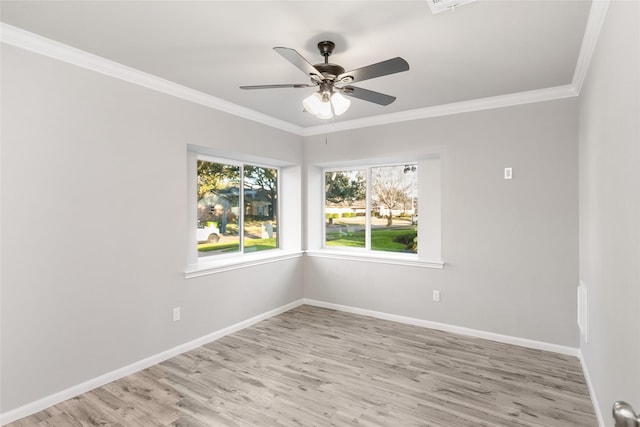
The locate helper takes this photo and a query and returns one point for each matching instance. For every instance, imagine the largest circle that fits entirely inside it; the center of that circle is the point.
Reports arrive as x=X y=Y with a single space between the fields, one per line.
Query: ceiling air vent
x=438 y=6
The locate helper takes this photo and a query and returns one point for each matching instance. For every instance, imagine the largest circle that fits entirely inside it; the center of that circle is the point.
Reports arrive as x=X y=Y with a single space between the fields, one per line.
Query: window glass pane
x=345 y=208
x=218 y=208
x=394 y=213
x=260 y=208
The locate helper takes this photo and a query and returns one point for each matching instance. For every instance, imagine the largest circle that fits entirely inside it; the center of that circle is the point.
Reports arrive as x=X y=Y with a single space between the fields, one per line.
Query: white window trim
x=289 y=245
x=429 y=189
x=212 y=266
x=376 y=257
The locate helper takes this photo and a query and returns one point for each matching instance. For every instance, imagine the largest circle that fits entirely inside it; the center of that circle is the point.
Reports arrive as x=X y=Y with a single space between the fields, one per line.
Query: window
x=372 y=208
x=237 y=207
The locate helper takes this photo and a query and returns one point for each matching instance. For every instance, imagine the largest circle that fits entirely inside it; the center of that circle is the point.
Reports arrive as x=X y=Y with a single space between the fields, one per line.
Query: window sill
x=381 y=258
x=212 y=266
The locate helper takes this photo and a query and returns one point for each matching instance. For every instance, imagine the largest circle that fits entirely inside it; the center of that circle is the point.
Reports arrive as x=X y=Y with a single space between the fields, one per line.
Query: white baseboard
x=522 y=342
x=46 y=402
x=592 y=391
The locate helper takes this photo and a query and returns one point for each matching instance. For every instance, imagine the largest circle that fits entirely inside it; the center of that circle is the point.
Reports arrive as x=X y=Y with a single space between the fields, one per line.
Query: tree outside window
x=345 y=208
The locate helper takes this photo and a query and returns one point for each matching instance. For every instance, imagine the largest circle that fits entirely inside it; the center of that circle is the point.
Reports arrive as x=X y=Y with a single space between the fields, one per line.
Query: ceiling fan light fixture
x=340 y=103
x=324 y=105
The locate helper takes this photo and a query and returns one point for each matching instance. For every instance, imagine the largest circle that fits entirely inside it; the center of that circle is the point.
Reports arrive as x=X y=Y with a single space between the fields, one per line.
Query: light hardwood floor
x=317 y=367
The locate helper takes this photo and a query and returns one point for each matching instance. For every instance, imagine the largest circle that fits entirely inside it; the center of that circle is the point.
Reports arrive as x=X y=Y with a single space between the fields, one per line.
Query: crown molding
x=591 y=34
x=29 y=41
x=35 y=43
x=548 y=94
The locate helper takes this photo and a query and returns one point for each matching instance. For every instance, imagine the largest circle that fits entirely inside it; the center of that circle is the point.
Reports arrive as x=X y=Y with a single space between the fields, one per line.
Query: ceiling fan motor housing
x=329 y=71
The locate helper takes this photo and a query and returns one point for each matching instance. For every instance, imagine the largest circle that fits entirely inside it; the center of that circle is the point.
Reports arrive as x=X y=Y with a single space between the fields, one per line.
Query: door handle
x=624 y=415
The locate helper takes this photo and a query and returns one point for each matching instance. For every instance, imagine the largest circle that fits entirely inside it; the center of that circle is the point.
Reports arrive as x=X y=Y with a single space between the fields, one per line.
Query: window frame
x=241 y=199
x=287 y=248
x=368 y=199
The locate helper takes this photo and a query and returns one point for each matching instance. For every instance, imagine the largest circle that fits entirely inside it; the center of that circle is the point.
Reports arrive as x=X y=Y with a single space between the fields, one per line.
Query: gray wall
x=510 y=247
x=94 y=226
x=610 y=208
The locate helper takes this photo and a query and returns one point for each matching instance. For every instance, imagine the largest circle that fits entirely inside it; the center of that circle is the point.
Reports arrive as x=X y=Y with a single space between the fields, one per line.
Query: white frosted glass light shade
x=340 y=103
x=313 y=103
x=324 y=112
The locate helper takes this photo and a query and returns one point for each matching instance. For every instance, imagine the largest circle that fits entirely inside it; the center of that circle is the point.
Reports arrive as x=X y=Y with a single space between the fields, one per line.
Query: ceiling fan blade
x=390 y=66
x=368 y=95
x=295 y=85
x=298 y=60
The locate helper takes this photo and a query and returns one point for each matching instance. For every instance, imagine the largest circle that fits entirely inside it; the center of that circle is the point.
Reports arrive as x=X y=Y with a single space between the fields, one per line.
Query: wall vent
x=438 y=6
x=583 y=317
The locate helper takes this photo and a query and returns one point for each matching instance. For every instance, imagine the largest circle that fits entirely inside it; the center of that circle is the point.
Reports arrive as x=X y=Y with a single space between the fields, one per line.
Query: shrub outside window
x=223 y=226
x=373 y=208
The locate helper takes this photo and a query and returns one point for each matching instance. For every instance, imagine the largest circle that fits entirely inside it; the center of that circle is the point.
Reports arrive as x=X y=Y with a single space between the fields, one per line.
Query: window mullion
x=367 y=232
x=323 y=191
x=241 y=210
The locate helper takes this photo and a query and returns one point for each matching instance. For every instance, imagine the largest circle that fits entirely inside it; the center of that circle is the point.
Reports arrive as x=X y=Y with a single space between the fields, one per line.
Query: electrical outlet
x=436 y=296
x=508 y=173
x=176 y=314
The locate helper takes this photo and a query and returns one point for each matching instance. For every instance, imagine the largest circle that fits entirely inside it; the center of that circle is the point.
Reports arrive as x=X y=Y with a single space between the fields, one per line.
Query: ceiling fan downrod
x=326 y=49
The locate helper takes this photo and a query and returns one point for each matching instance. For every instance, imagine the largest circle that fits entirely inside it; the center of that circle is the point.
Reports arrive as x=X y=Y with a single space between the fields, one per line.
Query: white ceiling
x=483 y=49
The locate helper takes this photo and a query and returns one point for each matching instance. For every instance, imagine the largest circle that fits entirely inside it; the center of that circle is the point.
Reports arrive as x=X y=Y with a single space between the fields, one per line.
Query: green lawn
x=250 y=245
x=381 y=239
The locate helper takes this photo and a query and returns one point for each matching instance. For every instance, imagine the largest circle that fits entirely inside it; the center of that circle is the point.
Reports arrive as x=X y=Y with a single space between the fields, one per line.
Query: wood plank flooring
x=317 y=367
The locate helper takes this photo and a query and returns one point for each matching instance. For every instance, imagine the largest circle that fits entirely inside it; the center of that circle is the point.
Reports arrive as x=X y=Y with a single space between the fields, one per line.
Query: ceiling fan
x=332 y=81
